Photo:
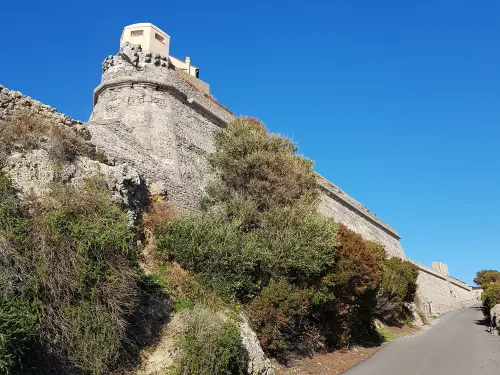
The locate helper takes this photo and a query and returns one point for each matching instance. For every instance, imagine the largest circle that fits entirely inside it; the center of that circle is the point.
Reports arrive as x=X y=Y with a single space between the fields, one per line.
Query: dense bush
x=398 y=286
x=72 y=259
x=206 y=244
x=253 y=165
x=211 y=345
x=18 y=326
x=279 y=314
x=294 y=243
x=490 y=297
x=345 y=298
x=486 y=277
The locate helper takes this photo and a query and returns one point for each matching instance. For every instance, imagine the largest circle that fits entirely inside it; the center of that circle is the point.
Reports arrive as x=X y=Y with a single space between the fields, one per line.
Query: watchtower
x=148 y=36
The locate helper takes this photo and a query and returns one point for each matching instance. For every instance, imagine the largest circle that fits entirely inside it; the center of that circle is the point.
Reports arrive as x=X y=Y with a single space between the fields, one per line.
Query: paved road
x=456 y=345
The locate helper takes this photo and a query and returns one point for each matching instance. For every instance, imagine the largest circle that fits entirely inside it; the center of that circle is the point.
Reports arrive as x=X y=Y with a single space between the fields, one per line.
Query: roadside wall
x=441 y=293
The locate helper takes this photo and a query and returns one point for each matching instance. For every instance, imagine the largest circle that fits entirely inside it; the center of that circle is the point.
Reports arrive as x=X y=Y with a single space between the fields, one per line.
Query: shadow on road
x=482 y=322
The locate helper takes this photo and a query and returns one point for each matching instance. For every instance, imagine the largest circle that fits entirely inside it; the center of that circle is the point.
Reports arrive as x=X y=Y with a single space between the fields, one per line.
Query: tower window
x=159 y=38
x=137 y=33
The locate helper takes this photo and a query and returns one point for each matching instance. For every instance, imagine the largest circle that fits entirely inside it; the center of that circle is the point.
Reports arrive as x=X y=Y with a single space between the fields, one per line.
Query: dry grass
x=27 y=130
x=159 y=212
x=187 y=289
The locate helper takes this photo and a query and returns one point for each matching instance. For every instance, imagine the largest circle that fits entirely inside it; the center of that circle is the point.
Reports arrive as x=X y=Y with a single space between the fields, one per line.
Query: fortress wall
x=149 y=108
x=442 y=293
x=342 y=208
x=147 y=115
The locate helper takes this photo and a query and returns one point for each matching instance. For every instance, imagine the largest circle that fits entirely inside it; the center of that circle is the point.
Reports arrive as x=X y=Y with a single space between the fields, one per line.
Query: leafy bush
x=486 y=277
x=295 y=243
x=225 y=259
x=490 y=297
x=301 y=242
x=253 y=165
x=211 y=345
x=344 y=299
x=13 y=221
x=279 y=314
x=85 y=270
x=398 y=286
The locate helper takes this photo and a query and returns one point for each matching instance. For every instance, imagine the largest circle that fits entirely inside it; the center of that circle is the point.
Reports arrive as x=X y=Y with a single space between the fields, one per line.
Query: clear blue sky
x=397 y=102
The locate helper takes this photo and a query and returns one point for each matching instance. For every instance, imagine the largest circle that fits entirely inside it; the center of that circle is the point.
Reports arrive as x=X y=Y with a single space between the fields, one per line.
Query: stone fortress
x=153 y=117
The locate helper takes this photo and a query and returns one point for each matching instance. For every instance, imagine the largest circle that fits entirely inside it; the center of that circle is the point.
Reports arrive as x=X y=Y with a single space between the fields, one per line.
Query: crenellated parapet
x=134 y=69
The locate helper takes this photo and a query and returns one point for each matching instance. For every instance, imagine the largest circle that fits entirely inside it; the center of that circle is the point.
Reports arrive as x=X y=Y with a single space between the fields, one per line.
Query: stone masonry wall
x=344 y=209
x=146 y=115
x=441 y=293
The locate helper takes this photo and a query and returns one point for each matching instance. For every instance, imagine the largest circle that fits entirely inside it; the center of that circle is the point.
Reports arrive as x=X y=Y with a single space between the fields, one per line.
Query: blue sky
x=397 y=102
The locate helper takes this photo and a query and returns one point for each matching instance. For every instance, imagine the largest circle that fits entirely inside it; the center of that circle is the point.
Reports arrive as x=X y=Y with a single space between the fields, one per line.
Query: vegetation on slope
x=306 y=282
x=68 y=267
x=71 y=289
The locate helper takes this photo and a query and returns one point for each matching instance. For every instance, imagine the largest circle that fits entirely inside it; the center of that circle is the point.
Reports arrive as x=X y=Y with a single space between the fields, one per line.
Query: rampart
x=441 y=293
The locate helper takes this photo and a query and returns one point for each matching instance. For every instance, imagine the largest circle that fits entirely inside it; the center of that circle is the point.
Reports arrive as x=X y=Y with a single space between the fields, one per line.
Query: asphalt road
x=457 y=344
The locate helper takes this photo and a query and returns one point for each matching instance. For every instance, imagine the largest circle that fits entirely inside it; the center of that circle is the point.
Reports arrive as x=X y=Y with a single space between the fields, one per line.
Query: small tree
x=398 y=286
x=486 y=277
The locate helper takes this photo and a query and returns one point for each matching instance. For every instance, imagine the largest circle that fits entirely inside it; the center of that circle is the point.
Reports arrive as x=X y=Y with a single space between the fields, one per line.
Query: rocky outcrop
x=12 y=102
x=495 y=320
x=34 y=171
x=258 y=363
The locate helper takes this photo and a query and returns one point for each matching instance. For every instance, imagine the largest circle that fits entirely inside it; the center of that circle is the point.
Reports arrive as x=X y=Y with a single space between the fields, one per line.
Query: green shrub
x=256 y=166
x=490 y=297
x=85 y=265
x=90 y=336
x=13 y=221
x=279 y=315
x=74 y=256
x=344 y=299
x=398 y=286
x=486 y=277
x=301 y=242
x=211 y=345
x=18 y=327
x=226 y=259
